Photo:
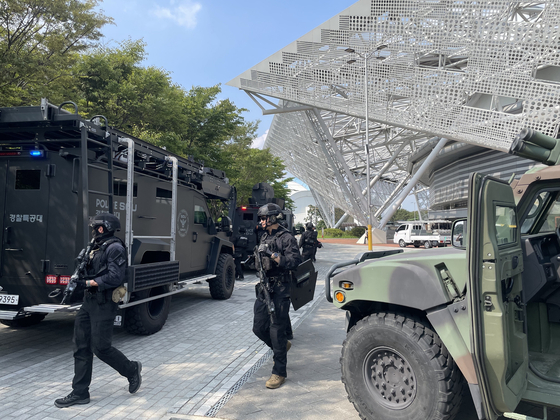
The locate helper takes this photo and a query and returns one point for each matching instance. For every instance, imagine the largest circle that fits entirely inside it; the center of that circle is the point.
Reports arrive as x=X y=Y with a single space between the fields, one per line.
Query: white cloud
x=258 y=143
x=183 y=13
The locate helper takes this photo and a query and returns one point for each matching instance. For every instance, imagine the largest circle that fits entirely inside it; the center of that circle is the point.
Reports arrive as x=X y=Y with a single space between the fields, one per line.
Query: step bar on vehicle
x=8 y=315
x=52 y=308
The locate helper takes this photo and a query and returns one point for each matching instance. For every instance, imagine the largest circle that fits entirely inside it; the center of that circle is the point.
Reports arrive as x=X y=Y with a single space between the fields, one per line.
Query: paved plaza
x=205 y=352
x=205 y=362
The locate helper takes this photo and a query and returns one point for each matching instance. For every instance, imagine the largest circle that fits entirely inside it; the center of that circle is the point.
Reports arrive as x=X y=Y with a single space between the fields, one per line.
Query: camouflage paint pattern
x=412 y=279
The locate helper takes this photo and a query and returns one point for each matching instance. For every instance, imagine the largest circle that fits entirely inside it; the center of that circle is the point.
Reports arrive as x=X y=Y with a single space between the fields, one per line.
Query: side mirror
x=459 y=234
x=226 y=225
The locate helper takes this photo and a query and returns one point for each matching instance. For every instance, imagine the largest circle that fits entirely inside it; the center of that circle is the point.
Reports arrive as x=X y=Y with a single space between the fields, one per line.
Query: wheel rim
x=401 y=243
x=389 y=378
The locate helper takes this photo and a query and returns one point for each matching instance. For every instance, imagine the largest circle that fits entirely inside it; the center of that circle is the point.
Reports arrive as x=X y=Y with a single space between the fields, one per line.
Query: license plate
x=9 y=299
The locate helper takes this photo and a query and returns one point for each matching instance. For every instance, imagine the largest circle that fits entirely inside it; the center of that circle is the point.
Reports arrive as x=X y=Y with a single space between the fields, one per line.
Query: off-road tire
x=28 y=321
x=402 y=243
x=222 y=286
x=427 y=244
x=391 y=349
x=148 y=317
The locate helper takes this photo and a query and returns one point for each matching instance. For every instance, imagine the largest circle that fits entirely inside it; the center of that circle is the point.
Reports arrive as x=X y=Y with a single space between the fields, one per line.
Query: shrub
x=335 y=233
x=357 y=231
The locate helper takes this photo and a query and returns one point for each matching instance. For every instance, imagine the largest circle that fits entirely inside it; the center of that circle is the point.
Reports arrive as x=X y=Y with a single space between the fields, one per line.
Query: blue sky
x=209 y=42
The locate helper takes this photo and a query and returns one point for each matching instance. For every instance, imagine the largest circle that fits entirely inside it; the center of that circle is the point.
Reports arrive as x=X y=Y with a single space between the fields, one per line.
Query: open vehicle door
x=499 y=339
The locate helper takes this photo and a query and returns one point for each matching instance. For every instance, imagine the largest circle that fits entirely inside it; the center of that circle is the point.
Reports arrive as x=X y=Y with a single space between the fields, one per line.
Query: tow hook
x=55 y=293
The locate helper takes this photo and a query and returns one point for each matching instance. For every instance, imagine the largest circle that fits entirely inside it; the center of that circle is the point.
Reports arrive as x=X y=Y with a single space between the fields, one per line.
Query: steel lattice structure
x=473 y=72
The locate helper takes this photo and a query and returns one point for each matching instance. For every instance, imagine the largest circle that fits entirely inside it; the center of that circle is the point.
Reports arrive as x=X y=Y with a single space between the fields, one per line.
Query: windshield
x=544 y=214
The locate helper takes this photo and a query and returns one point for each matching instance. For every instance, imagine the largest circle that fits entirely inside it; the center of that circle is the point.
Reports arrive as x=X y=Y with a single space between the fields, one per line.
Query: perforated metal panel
x=474 y=72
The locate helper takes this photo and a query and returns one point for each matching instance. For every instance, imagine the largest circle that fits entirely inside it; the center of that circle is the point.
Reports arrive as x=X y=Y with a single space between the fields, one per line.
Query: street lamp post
x=368 y=187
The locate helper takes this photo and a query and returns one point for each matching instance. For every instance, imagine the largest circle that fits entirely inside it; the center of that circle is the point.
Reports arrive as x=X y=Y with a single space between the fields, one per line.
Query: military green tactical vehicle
x=57 y=170
x=486 y=313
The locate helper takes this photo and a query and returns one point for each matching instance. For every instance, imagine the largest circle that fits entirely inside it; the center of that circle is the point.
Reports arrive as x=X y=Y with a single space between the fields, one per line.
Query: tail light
x=51 y=279
x=63 y=280
x=55 y=279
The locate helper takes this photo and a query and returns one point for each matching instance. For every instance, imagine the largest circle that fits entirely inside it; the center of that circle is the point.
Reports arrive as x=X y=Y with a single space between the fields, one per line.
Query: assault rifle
x=263 y=279
x=79 y=273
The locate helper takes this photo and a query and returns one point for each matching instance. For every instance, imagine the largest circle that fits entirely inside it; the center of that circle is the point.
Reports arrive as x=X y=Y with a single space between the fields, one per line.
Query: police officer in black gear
x=93 y=327
x=284 y=257
x=308 y=241
x=241 y=243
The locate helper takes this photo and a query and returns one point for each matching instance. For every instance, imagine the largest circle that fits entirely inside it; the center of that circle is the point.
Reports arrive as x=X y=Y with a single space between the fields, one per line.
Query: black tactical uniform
x=241 y=243
x=281 y=243
x=93 y=326
x=308 y=241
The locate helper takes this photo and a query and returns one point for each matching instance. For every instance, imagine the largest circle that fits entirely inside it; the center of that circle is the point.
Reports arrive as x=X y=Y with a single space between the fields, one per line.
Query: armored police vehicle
x=484 y=313
x=246 y=216
x=57 y=170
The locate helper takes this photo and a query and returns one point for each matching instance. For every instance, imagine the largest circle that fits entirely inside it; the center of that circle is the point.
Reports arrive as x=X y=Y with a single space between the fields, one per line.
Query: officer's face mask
x=95 y=232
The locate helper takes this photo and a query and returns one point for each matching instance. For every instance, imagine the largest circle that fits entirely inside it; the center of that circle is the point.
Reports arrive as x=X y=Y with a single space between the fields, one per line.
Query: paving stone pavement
x=205 y=350
x=205 y=362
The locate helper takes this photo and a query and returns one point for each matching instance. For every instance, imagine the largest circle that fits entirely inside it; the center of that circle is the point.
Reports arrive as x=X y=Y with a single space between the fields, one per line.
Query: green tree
x=313 y=214
x=246 y=166
x=40 y=42
x=402 y=214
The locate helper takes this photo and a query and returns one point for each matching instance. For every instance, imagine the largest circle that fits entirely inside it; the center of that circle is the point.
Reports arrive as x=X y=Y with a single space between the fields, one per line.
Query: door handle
x=7 y=232
x=194 y=236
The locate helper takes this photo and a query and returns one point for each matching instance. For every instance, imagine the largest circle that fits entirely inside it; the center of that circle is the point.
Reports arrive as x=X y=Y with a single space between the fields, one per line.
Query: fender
x=219 y=246
x=408 y=279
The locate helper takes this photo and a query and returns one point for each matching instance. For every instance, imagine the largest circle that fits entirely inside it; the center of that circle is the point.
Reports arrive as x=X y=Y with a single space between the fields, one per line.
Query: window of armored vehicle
x=163 y=193
x=200 y=216
x=506 y=224
x=163 y=196
x=119 y=188
x=544 y=214
x=28 y=179
x=248 y=216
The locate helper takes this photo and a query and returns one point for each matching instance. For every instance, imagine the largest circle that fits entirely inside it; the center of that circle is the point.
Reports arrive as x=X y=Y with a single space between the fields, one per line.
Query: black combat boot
x=71 y=399
x=135 y=380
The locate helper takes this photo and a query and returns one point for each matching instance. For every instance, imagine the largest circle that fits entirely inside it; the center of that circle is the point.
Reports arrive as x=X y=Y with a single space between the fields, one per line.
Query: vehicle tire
x=222 y=286
x=27 y=321
x=427 y=244
x=395 y=367
x=402 y=243
x=148 y=317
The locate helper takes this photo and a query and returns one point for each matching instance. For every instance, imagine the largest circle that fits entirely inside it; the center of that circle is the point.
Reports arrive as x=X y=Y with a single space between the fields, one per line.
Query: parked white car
x=417 y=234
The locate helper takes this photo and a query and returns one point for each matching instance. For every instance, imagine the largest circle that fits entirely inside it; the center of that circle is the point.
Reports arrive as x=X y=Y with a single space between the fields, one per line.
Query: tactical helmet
x=309 y=226
x=272 y=212
x=110 y=224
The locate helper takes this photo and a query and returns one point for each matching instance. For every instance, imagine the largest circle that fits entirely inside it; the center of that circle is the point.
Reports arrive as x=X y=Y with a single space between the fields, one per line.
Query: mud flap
x=304 y=279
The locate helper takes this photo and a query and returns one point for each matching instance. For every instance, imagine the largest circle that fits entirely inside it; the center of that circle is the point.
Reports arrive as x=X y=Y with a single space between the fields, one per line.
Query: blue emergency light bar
x=37 y=153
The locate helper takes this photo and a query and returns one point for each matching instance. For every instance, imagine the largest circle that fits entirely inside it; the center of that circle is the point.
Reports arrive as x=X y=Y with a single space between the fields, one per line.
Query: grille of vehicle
x=144 y=276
